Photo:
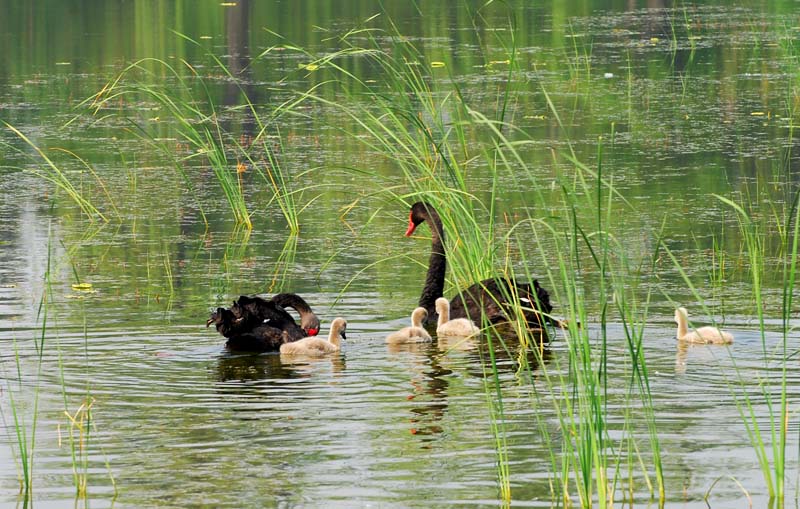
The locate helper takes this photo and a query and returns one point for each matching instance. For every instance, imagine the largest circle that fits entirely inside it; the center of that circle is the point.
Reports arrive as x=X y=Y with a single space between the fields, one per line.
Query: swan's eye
x=312 y=332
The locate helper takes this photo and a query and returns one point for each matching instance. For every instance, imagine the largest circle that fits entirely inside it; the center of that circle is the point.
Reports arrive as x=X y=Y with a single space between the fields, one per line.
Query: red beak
x=312 y=332
x=411 y=226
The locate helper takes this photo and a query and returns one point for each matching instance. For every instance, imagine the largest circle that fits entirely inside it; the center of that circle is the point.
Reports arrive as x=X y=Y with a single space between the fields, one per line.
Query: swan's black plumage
x=255 y=311
x=499 y=299
x=260 y=325
x=244 y=337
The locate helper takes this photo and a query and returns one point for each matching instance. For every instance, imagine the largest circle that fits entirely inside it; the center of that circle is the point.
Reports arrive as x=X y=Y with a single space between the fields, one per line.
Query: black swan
x=317 y=347
x=489 y=298
x=256 y=310
x=245 y=337
x=260 y=325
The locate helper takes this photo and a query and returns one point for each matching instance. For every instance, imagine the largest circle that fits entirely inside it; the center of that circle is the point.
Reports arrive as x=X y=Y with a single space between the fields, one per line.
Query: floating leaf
x=436 y=63
x=82 y=287
x=757 y=113
x=228 y=4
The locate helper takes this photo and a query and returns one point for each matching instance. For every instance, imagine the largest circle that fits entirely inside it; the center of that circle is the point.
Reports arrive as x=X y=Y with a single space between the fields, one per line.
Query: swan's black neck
x=437 y=266
x=293 y=301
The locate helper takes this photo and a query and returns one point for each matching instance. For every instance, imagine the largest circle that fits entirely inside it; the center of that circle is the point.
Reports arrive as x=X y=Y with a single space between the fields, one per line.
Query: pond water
x=684 y=102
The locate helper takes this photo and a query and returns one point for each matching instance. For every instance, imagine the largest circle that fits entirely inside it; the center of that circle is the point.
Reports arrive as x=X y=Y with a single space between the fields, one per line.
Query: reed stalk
x=24 y=432
x=48 y=170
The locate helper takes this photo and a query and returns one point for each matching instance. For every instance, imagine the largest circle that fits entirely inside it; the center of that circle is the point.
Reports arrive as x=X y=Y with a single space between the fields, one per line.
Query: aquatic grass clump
x=199 y=128
x=186 y=103
x=435 y=139
x=768 y=437
x=774 y=461
x=589 y=459
x=420 y=130
x=80 y=425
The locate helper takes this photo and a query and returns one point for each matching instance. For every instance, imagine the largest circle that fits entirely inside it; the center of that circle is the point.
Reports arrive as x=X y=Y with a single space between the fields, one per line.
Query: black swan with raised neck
x=493 y=298
x=259 y=325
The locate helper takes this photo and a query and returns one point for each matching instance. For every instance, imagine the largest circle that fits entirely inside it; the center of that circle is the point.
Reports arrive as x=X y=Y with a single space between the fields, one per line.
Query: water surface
x=687 y=102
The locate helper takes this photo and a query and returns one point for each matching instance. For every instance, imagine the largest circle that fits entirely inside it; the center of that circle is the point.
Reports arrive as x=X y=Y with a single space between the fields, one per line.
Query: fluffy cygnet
x=455 y=327
x=314 y=346
x=701 y=335
x=413 y=334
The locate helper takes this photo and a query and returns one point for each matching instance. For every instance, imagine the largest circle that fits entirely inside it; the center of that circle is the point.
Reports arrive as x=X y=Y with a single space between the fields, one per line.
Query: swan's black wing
x=218 y=319
x=227 y=323
x=255 y=312
x=260 y=339
x=535 y=303
x=500 y=300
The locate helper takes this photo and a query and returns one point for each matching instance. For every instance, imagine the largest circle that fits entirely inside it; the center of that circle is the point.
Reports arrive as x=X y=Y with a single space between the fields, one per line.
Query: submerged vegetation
x=566 y=213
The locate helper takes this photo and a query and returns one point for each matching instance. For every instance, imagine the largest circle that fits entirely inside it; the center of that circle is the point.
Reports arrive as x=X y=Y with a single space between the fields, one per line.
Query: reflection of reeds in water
x=284 y=265
x=230 y=264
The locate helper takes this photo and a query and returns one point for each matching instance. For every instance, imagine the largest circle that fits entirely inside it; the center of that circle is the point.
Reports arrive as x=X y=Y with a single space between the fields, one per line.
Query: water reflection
x=232 y=367
x=699 y=354
x=434 y=365
x=428 y=385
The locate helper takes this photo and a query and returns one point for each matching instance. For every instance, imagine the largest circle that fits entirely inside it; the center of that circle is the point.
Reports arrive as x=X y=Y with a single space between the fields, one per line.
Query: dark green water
x=687 y=102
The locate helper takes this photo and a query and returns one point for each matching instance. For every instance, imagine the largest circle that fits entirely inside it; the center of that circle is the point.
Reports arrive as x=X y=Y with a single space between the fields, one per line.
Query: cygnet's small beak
x=344 y=336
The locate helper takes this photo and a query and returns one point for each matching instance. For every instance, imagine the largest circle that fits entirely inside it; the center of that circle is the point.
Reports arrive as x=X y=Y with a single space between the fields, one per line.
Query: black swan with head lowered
x=495 y=298
x=260 y=325
x=255 y=310
x=244 y=337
